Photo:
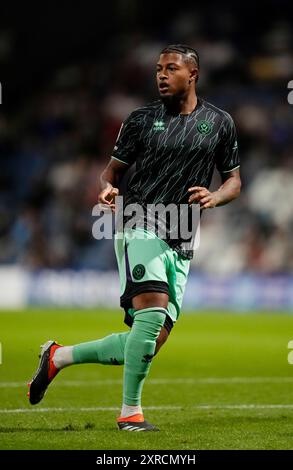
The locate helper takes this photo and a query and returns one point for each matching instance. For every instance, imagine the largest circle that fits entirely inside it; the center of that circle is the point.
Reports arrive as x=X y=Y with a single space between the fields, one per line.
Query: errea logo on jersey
x=159 y=126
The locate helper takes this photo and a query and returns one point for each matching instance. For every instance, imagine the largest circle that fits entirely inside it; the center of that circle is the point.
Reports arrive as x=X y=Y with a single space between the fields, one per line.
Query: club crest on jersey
x=159 y=126
x=204 y=127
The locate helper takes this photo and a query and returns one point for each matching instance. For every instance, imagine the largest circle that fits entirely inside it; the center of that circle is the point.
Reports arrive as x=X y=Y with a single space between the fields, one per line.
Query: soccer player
x=175 y=143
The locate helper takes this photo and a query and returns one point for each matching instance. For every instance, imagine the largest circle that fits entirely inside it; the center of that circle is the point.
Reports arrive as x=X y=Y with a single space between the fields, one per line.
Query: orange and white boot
x=45 y=373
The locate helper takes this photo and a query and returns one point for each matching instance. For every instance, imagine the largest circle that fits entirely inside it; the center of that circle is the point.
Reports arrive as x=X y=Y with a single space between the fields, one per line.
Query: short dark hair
x=183 y=49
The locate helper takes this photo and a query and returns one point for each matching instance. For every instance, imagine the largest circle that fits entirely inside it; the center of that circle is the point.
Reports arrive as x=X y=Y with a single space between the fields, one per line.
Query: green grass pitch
x=222 y=381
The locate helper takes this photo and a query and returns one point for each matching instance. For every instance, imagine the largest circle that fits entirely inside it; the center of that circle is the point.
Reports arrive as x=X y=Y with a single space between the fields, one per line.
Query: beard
x=172 y=102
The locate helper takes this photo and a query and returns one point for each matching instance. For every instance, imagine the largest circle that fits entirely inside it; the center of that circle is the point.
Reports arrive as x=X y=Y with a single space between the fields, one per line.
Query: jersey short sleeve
x=126 y=146
x=227 y=158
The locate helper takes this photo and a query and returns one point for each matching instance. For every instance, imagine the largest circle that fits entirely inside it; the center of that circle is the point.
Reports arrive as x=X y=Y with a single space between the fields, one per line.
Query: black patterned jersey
x=174 y=152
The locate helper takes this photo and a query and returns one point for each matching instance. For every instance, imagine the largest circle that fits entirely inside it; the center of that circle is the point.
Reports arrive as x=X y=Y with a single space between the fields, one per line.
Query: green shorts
x=148 y=264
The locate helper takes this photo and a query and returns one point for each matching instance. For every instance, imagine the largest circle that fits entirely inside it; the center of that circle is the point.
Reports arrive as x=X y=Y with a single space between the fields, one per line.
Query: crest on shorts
x=138 y=271
x=204 y=127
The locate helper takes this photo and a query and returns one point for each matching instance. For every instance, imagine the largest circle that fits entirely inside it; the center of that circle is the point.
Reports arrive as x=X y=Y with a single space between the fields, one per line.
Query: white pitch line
x=163 y=381
x=90 y=409
x=243 y=406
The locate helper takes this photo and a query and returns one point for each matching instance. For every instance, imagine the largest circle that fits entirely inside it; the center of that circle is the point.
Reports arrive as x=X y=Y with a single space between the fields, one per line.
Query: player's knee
x=150 y=322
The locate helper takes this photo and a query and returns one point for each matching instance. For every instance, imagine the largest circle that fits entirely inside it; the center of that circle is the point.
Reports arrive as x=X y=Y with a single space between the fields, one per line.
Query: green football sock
x=108 y=350
x=139 y=351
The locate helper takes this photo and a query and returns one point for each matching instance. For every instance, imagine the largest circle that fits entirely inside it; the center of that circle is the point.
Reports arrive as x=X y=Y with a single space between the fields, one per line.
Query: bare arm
x=109 y=179
x=229 y=190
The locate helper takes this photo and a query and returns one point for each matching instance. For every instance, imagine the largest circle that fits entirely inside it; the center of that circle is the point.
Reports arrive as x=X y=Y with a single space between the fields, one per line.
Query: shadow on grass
x=68 y=427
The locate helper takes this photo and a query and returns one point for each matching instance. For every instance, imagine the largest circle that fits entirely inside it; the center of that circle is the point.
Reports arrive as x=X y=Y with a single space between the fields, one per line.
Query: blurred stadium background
x=70 y=75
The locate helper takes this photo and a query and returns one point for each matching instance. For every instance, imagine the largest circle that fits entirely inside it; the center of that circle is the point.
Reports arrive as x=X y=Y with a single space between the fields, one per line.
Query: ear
x=193 y=75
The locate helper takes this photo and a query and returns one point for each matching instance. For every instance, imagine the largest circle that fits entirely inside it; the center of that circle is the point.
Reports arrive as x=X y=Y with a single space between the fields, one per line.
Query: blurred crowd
x=53 y=149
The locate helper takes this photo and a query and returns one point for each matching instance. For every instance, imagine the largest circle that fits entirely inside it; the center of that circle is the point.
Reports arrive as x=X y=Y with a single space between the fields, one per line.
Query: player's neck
x=185 y=105
x=188 y=105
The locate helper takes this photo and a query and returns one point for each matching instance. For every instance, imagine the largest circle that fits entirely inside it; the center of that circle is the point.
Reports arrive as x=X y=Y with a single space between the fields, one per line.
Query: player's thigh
x=141 y=262
x=146 y=256
x=150 y=299
x=177 y=279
